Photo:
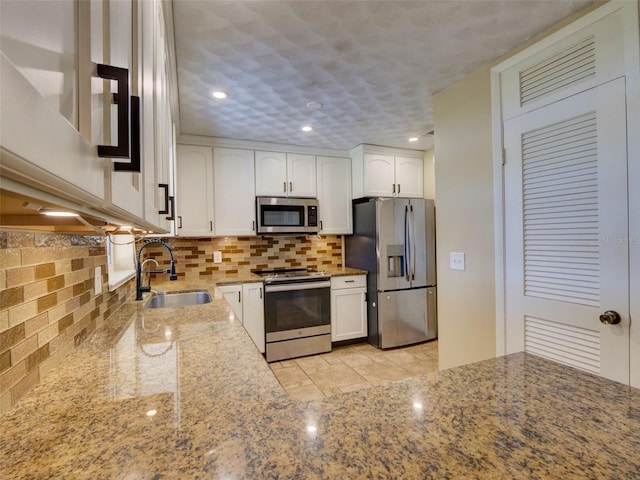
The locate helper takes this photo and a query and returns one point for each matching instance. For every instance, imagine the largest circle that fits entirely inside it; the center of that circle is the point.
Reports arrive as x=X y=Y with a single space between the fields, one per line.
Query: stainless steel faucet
x=140 y=289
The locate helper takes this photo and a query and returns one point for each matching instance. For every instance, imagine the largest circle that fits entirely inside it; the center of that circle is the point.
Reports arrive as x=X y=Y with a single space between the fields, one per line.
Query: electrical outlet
x=97 y=281
x=456 y=261
x=217 y=257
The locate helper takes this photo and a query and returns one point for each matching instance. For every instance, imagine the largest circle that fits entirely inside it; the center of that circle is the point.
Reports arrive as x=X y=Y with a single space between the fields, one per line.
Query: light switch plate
x=456 y=260
x=97 y=281
x=217 y=257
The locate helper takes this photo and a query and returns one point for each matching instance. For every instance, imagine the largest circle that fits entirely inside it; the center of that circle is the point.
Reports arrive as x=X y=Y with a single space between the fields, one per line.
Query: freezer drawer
x=403 y=317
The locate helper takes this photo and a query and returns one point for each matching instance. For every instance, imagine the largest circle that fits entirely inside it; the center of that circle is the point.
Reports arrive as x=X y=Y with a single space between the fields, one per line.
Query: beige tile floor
x=353 y=367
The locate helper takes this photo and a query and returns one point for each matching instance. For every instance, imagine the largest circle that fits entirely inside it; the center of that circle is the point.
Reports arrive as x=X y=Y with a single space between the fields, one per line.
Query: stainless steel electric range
x=297 y=313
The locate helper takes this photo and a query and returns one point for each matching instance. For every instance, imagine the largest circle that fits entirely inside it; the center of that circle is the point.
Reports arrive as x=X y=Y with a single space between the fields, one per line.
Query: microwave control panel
x=312 y=213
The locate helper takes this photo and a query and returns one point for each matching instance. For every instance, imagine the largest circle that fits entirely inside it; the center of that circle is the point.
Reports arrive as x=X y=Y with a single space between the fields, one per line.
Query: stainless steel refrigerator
x=394 y=240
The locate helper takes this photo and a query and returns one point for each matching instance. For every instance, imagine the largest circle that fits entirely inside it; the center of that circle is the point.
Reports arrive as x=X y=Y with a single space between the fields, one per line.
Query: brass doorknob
x=610 y=317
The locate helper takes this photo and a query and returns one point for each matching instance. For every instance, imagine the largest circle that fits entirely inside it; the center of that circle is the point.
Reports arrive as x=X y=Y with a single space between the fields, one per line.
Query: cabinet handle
x=165 y=210
x=120 y=75
x=179 y=221
x=239 y=297
x=291 y=186
x=321 y=225
x=398 y=189
x=172 y=215
x=135 y=164
x=211 y=225
x=349 y=281
x=260 y=292
x=253 y=225
x=284 y=186
x=394 y=187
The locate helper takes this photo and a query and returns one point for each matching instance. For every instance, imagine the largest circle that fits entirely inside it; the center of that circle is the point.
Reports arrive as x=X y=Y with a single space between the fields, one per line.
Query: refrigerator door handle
x=412 y=231
x=407 y=245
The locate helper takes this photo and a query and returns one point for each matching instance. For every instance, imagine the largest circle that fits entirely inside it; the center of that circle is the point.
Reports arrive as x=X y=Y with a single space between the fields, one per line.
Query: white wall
x=464 y=214
x=464 y=221
x=429 y=175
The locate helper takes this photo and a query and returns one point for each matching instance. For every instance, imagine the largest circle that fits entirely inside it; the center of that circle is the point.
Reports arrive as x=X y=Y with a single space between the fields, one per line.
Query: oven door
x=295 y=310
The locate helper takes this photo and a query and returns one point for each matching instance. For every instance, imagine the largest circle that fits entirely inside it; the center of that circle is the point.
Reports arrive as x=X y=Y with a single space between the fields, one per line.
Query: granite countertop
x=248 y=277
x=183 y=393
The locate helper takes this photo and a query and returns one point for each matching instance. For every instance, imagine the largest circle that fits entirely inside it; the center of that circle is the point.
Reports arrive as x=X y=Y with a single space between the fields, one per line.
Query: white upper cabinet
x=271 y=174
x=379 y=175
x=234 y=194
x=39 y=93
x=387 y=172
x=409 y=177
x=156 y=127
x=301 y=175
x=285 y=174
x=334 y=195
x=194 y=191
x=124 y=189
x=56 y=111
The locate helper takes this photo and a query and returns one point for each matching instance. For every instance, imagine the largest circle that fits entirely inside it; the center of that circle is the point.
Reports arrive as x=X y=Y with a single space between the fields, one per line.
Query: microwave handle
x=284 y=186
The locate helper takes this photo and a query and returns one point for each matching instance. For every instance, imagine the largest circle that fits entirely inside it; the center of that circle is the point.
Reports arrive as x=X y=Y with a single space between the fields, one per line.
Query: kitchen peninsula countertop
x=183 y=393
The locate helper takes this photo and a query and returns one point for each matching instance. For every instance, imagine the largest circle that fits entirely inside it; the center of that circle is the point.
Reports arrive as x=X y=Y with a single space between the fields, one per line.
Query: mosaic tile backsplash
x=47 y=299
x=194 y=256
x=47 y=304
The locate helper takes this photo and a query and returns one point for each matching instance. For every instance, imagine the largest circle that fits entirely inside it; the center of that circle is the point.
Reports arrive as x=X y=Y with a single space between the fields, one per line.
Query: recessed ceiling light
x=413 y=139
x=151 y=413
x=220 y=94
x=307 y=128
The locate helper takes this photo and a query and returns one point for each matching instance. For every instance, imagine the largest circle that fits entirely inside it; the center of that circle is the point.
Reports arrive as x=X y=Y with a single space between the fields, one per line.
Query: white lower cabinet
x=253 y=312
x=348 y=307
x=233 y=295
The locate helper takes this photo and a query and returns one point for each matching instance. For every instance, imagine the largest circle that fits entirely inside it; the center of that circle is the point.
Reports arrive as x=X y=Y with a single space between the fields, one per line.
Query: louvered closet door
x=566 y=227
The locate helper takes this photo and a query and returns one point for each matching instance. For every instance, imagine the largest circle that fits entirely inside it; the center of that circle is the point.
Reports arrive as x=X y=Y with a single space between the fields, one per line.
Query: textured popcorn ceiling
x=374 y=65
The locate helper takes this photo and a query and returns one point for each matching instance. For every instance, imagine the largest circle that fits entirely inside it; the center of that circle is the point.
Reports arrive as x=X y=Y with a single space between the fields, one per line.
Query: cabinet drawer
x=351 y=281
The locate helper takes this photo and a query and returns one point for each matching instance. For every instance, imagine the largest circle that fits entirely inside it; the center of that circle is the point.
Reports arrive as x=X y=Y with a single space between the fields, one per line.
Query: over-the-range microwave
x=287 y=215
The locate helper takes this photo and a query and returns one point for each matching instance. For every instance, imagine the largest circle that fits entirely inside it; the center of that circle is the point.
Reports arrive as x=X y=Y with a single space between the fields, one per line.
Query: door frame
x=632 y=78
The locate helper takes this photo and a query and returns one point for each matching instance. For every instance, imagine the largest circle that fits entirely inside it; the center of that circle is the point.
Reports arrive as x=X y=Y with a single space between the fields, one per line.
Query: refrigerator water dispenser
x=395 y=260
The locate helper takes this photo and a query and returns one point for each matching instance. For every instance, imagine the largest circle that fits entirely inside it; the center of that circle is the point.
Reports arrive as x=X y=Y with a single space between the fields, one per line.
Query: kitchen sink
x=181 y=299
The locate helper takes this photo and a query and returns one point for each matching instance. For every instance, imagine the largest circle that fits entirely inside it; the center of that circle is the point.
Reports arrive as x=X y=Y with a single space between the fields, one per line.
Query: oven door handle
x=296 y=286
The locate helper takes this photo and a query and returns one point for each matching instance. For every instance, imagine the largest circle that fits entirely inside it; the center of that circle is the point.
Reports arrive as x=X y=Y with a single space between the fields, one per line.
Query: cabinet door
x=253 y=313
x=124 y=189
x=165 y=135
x=379 y=175
x=194 y=190
x=158 y=154
x=409 y=177
x=41 y=144
x=234 y=195
x=334 y=195
x=348 y=314
x=301 y=175
x=233 y=295
x=271 y=174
